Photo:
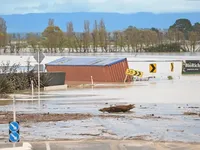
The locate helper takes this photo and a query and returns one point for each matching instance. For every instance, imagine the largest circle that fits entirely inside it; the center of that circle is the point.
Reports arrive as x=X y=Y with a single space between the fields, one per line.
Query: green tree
x=196 y=27
x=3 y=32
x=86 y=36
x=95 y=36
x=53 y=38
x=103 y=36
x=128 y=37
x=132 y=38
x=33 y=40
x=182 y=25
x=70 y=35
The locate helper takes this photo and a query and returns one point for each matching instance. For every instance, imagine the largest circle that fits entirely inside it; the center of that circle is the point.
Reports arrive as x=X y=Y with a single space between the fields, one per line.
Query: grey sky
x=120 y=6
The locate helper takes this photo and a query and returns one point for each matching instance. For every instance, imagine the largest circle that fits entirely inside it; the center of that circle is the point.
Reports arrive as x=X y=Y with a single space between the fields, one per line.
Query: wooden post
x=92 y=82
x=39 y=79
x=125 y=78
x=32 y=88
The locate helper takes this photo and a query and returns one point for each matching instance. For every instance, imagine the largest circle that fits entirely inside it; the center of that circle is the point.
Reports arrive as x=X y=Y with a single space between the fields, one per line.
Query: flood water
x=166 y=99
x=179 y=91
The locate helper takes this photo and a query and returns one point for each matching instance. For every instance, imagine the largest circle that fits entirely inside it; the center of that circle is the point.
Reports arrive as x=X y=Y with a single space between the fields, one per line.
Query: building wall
x=113 y=73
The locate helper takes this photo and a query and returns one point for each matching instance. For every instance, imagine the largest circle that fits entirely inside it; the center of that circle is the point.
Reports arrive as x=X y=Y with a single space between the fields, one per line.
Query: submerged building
x=81 y=69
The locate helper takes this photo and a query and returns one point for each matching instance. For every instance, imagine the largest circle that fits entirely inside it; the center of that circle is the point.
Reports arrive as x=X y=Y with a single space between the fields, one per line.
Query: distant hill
x=113 y=21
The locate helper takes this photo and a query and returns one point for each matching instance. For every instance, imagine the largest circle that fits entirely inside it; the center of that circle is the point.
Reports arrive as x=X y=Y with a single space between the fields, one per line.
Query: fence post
x=32 y=88
x=125 y=78
x=92 y=82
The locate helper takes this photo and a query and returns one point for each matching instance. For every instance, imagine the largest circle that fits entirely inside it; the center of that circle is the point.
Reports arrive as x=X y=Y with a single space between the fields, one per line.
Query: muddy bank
x=104 y=126
x=5 y=117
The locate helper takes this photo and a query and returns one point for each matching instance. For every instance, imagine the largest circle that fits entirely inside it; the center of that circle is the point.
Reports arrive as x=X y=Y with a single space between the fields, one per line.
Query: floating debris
x=194 y=107
x=119 y=108
x=190 y=113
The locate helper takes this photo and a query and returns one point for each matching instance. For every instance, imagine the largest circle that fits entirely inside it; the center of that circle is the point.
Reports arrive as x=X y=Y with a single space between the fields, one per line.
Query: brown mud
x=6 y=117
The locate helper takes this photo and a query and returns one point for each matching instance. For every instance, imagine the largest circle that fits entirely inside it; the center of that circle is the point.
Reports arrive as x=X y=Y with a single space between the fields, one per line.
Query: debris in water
x=193 y=107
x=143 y=107
x=190 y=113
x=172 y=130
x=119 y=108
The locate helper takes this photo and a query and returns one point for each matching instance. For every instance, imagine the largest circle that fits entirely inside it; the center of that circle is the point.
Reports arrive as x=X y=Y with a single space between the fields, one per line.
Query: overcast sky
x=120 y=6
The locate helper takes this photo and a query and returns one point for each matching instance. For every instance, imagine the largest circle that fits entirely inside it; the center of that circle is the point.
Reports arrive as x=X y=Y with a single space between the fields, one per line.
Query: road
x=108 y=145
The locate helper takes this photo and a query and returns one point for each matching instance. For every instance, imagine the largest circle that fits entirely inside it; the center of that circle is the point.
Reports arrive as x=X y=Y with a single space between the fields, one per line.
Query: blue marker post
x=14 y=132
x=14 y=128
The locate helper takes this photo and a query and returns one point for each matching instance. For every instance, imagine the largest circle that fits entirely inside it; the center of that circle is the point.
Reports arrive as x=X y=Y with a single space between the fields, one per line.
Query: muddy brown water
x=167 y=100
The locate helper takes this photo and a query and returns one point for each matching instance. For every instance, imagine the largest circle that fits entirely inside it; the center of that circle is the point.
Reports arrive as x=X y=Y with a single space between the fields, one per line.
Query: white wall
x=163 y=68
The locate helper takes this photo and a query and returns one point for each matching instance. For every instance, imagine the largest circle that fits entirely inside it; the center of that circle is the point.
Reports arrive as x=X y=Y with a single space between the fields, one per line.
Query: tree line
x=182 y=36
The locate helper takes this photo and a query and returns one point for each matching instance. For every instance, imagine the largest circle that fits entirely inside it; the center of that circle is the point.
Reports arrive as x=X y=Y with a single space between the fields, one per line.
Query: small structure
x=83 y=69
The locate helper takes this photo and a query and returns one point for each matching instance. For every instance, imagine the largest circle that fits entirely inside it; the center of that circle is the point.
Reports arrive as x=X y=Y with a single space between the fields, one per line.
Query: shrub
x=5 y=86
x=11 y=81
x=170 y=78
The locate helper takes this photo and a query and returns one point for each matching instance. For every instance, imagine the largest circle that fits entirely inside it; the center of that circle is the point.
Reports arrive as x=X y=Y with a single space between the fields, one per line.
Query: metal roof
x=85 y=61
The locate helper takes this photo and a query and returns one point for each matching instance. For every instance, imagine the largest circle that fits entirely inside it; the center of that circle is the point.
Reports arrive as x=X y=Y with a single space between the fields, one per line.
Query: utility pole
x=39 y=79
x=38 y=56
x=14 y=114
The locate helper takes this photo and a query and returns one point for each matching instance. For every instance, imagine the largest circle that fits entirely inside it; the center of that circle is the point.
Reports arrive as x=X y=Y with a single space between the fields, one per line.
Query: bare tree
x=72 y=46
x=103 y=36
x=18 y=45
x=193 y=39
x=109 y=41
x=95 y=36
x=79 y=41
x=3 y=33
x=33 y=40
x=86 y=36
x=51 y=22
x=192 y=44
x=128 y=38
x=116 y=40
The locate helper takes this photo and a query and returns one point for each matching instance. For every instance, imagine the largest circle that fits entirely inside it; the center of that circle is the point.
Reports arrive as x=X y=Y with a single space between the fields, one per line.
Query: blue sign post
x=14 y=132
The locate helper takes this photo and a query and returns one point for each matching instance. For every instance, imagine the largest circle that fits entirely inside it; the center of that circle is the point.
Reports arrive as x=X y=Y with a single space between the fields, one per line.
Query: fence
x=56 y=78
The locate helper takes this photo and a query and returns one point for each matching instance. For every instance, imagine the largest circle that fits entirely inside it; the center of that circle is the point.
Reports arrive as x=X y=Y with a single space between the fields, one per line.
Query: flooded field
x=159 y=113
